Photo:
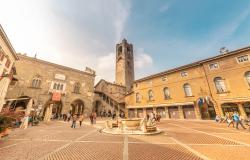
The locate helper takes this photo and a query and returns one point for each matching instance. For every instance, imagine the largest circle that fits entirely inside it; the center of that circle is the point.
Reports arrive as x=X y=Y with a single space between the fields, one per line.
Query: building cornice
x=7 y=41
x=53 y=64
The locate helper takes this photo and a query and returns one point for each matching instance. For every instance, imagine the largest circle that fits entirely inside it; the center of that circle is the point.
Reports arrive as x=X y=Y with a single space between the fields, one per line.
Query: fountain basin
x=130 y=126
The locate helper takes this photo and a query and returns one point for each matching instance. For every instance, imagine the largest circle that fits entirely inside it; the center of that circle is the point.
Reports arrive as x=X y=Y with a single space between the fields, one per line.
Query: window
x=242 y=59
x=137 y=97
x=184 y=74
x=187 y=90
x=77 y=88
x=247 y=76
x=7 y=64
x=61 y=87
x=220 y=85
x=150 y=82
x=36 y=83
x=150 y=95
x=166 y=93
x=58 y=86
x=1 y=55
x=213 y=66
x=164 y=78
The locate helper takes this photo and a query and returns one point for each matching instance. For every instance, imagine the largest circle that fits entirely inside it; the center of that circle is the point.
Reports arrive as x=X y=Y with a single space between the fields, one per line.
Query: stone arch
x=21 y=103
x=77 y=107
x=55 y=107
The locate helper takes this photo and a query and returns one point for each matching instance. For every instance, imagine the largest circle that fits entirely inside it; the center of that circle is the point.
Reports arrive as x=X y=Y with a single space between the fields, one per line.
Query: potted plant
x=5 y=124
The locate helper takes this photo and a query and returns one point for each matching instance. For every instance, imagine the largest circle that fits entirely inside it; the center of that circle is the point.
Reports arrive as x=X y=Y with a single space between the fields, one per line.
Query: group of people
x=111 y=114
x=233 y=119
x=156 y=117
x=75 y=118
x=79 y=118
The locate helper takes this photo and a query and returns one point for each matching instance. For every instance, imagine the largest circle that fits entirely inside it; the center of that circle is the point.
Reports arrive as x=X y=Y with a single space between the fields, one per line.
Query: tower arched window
x=187 y=90
x=36 y=83
x=119 y=51
x=166 y=93
x=150 y=95
x=77 y=88
x=247 y=76
x=220 y=85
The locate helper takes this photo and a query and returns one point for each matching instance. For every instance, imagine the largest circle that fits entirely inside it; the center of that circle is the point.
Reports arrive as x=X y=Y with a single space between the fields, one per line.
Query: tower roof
x=124 y=40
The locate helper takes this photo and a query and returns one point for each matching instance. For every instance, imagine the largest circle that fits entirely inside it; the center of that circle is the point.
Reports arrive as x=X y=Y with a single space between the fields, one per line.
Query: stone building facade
x=66 y=89
x=109 y=97
x=7 y=59
x=217 y=85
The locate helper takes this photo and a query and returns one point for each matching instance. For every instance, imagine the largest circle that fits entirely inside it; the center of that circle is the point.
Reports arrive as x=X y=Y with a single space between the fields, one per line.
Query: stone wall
x=31 y=68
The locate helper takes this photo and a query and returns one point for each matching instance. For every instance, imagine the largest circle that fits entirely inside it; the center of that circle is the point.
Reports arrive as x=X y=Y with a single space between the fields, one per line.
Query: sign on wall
x=60 y=77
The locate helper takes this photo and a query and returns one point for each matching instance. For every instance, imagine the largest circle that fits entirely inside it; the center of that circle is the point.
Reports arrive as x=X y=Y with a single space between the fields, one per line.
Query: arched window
x=36 y=83
x=77 y=88
x=187 y=90
x=220 y=85
x=166 y=93
x=247 y=76
x=137 y=97
x=150 y=95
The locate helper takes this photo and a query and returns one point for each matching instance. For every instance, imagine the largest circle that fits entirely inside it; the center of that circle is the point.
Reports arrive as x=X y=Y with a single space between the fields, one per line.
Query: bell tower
x=124 y=64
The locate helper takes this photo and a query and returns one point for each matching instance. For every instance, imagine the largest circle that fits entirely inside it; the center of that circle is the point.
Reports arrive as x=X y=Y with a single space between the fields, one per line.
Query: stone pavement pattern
x=185 y=140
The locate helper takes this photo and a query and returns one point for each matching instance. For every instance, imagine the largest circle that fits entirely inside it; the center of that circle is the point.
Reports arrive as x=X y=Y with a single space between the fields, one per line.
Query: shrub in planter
x=5 y=123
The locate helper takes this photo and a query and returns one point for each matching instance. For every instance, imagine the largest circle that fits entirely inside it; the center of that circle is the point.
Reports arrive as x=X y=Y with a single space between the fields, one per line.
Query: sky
x=165 y=33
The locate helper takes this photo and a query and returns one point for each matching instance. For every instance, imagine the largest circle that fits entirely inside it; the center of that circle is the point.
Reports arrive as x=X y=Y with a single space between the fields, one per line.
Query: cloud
x=144 y=64
x=106 y=65
x=142 y=59
x=76 y=34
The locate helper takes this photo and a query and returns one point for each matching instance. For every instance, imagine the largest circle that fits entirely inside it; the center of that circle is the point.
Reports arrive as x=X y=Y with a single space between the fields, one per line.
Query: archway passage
x=207 y=109
x=77 y=107
x=246 y=106
x=229 y=108
x=56 y=109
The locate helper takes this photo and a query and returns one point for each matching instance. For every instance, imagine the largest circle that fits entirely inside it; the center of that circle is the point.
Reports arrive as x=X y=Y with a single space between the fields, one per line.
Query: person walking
x=80 y=119
x=68 y=117
x=230 y=121
x=91 y=118
x=94 y=118
x=74 y=121
x=237 y=120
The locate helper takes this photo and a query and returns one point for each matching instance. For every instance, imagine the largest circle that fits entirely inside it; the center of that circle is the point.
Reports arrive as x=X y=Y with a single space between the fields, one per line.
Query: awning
x=235 y=100
x=17 y=99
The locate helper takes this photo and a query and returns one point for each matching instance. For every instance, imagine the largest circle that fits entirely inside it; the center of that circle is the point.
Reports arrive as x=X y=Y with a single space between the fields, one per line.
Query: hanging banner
x=56 y=96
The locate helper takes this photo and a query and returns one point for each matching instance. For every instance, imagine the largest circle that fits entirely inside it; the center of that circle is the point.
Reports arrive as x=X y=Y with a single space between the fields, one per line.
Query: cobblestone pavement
x=181 y=139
